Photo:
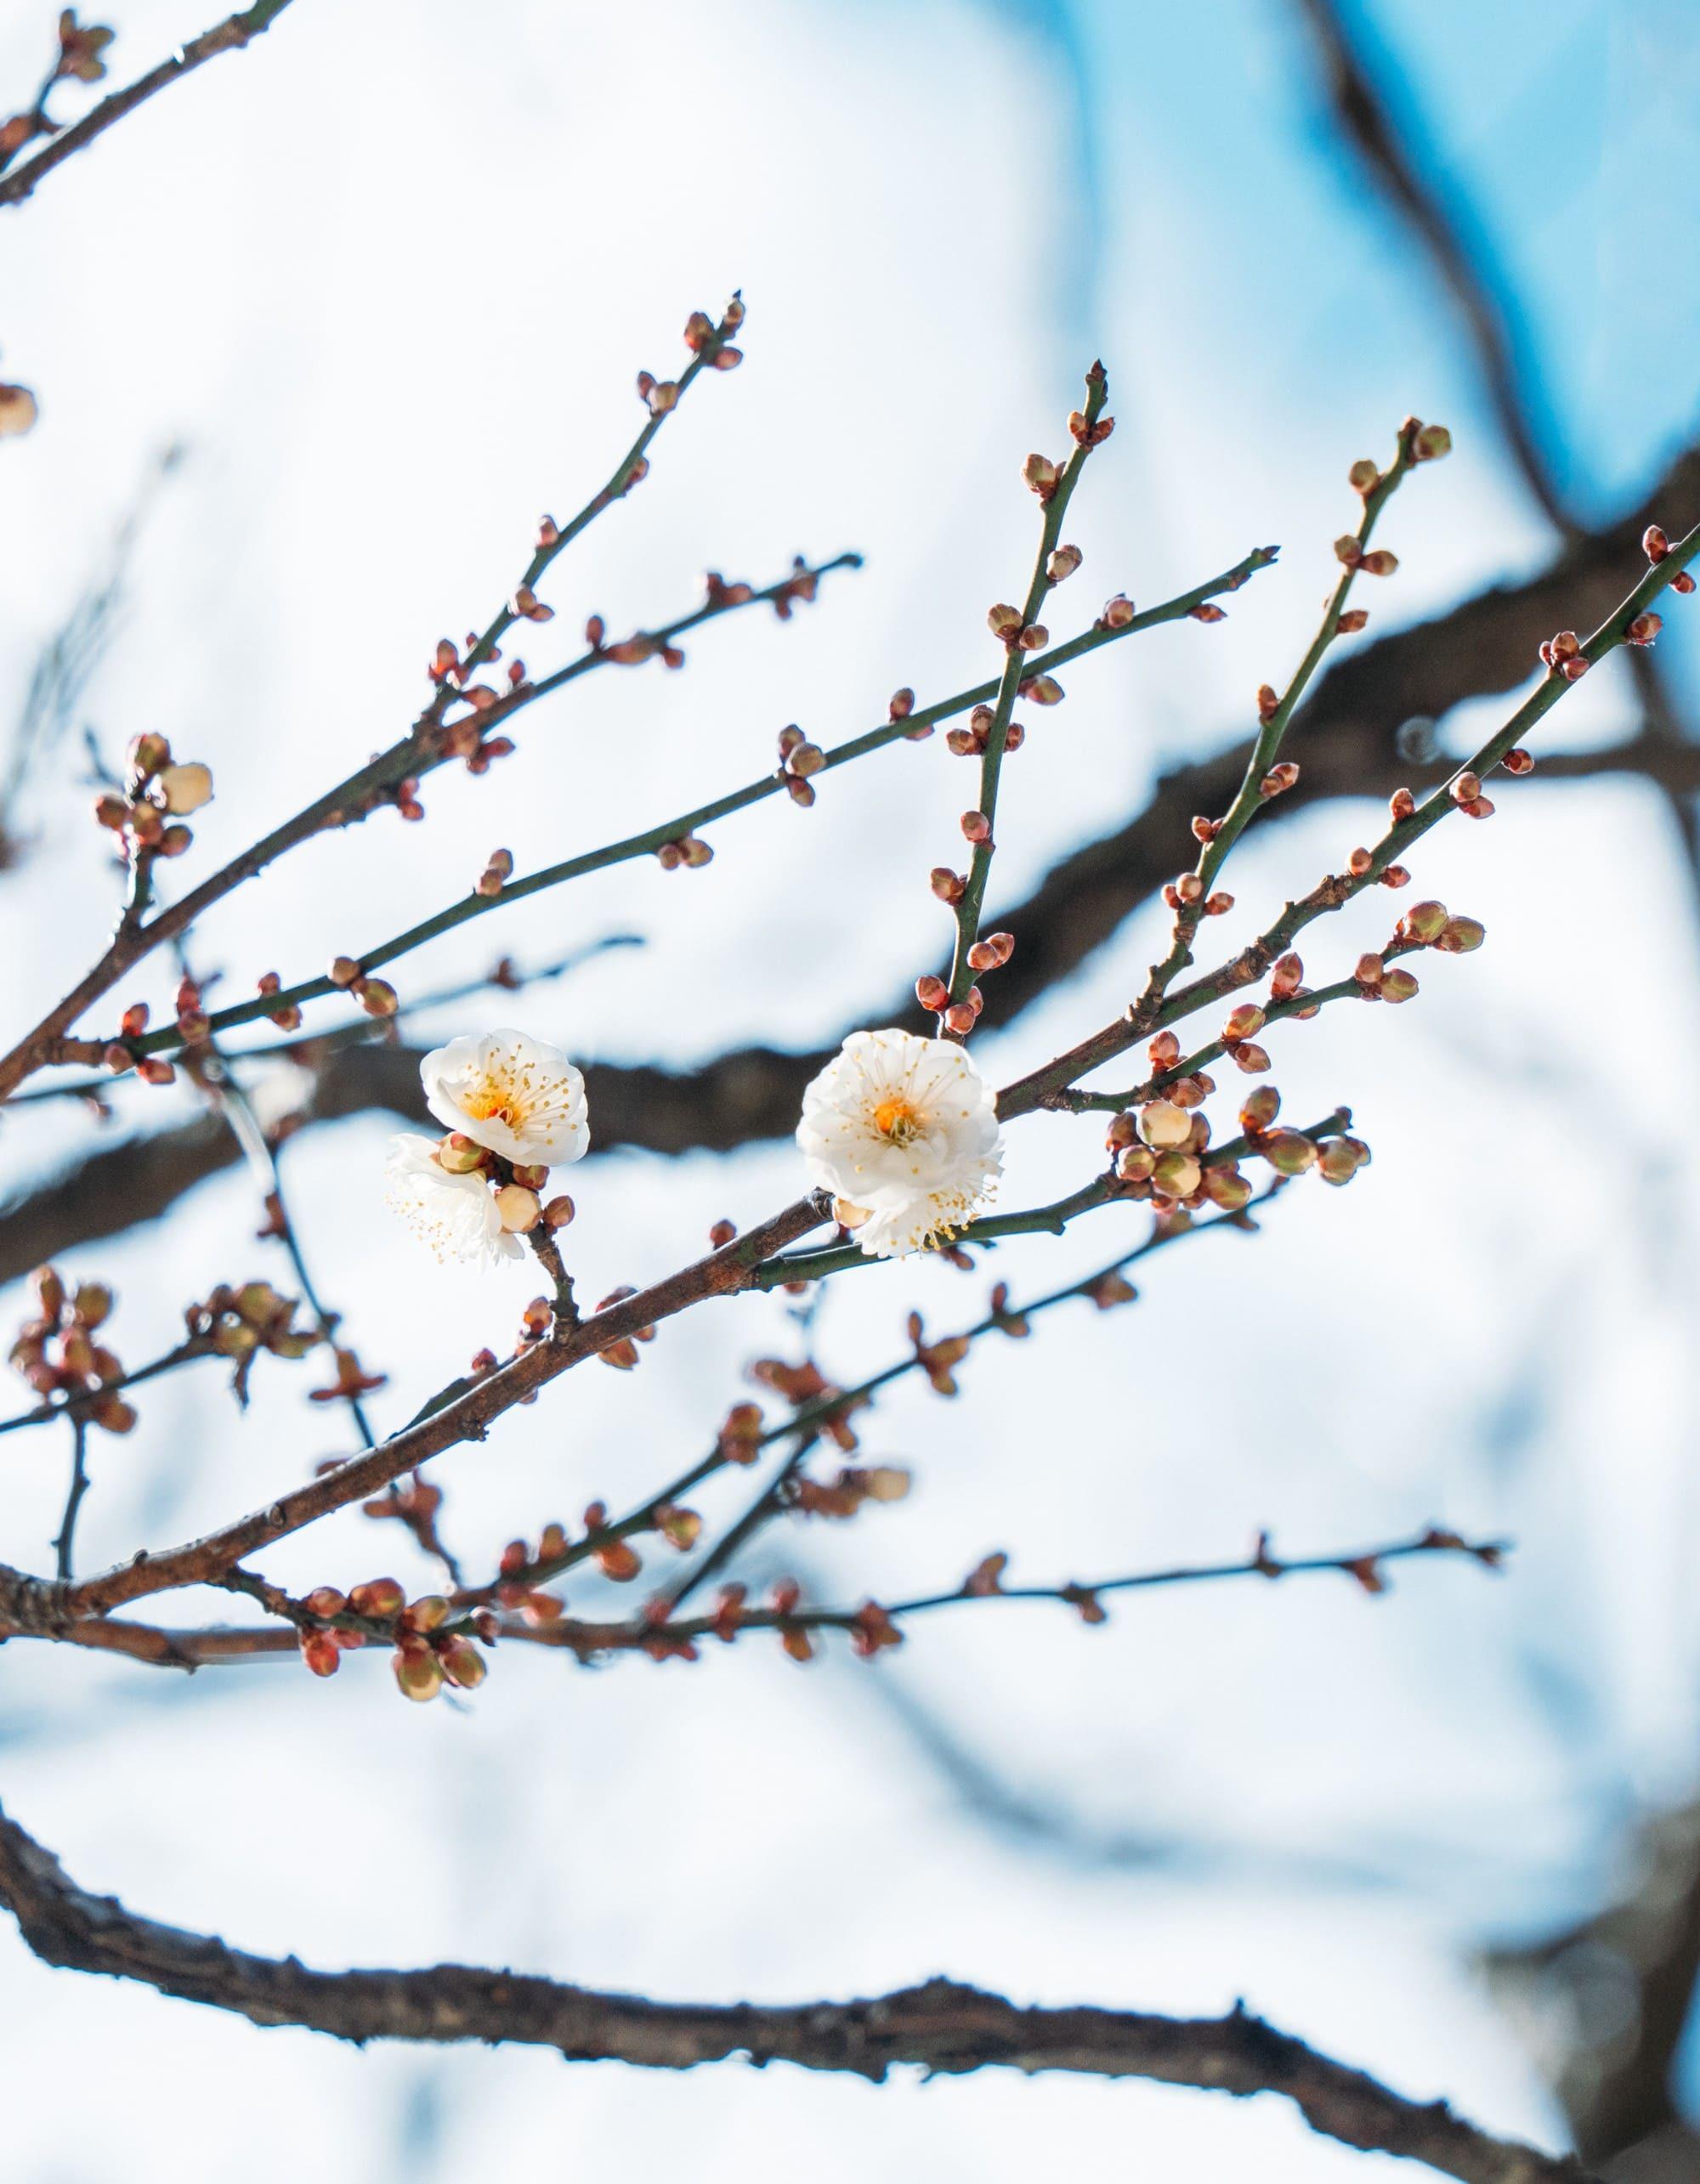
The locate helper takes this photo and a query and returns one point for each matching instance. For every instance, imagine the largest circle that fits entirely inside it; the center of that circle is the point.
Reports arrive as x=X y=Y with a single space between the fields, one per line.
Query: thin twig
x=228 y=36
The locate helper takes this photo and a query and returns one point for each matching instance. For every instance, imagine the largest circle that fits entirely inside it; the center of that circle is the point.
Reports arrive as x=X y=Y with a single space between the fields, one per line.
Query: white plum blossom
x=511 y=1094
x=456 y=1215
x=904 y=1132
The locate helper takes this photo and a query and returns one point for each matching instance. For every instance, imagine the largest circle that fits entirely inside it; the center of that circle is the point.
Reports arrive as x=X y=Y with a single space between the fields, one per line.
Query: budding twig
x=1021 y=638
x=674 y=830
x=1154 y=1013
x=228 y=36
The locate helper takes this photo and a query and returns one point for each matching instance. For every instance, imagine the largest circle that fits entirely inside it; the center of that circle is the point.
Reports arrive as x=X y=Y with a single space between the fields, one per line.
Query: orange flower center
x=495 y=1101
x=897 y=1121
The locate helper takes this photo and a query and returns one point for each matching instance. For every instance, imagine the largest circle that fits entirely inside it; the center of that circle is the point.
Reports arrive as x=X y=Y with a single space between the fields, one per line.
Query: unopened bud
x=519 y=1209
x=1163 y=1125
x=187 y=787
x=1287 y=1152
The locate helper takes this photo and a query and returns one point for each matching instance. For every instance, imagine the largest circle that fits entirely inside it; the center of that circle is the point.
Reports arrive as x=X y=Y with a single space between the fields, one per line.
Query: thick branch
x=939 y=2027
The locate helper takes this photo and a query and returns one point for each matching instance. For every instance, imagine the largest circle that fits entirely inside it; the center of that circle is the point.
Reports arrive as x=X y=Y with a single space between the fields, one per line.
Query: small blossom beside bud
x=904 y=1130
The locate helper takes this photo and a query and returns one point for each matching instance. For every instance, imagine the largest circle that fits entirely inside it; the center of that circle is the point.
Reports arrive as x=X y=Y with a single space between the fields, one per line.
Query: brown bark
x=942 y=2026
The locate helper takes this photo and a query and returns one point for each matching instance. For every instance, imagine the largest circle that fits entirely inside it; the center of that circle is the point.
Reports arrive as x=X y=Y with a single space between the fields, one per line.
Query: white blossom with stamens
x=456 y=1215
x=511 y=1094
x=904 y=1132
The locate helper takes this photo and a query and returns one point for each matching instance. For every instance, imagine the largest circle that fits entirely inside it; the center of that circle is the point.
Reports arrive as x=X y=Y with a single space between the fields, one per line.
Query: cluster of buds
x=1336 y=1159
x=900 y=708
x=158 y=793
x=937 y=1359
x=703 y=338
x=323 y=1639
x=1377 y=982
x=520 y=1566
x=721 y=594
x=80 y=46
x=57 y=1354
x=623 y=1354
x=843 y=1496
x=798 y=760
x=1467 y=792
x=151 y=1068
x=498 y=870
x=798 y=589
x=1239 y=1038
x=1090 y=435
x=1431 y=924
x=1564 y=655
x=1287 y=984
x=519 y=1188
x=632 y=651
x=287 y=1018
x=1159 y=1152
x=1348 y=551
x=743 y=1433
x=688 y=850
x=1016 y=1325
x=1278 y=780
x=800 y=1385
x=430 y=1649
x=972 y=742
x=237 y=1322
x=464 y=737
x=1656 y=547
x=377 y=996
x=1186 y=892
x=1015 y=635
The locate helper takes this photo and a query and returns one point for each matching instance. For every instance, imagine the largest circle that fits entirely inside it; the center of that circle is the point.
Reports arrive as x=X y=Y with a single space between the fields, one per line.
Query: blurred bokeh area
x=315 y=338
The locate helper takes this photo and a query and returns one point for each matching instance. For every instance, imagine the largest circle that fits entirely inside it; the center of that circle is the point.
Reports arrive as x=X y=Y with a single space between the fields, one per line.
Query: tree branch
x=228 y=36
x=1345 y=736
x=941 y=2027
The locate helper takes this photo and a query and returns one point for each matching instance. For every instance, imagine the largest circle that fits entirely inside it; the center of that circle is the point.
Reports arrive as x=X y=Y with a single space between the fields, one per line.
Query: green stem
x=1015 y=672
x=1245 y=969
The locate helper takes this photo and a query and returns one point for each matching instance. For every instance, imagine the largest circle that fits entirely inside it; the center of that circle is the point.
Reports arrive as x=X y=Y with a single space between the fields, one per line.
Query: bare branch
x=228 y=36
x=941 y=2027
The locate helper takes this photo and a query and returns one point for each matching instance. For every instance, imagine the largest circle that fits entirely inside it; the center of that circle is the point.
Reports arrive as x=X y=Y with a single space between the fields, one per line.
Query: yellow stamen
x=896 y=1120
